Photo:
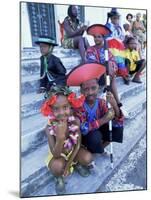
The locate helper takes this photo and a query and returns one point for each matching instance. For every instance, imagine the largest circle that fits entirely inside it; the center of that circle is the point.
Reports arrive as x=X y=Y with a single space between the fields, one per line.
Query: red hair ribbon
x=76 y=102
x=45 y=109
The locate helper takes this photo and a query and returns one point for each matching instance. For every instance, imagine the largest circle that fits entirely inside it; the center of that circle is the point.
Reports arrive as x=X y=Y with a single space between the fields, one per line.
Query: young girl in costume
x=64 y=136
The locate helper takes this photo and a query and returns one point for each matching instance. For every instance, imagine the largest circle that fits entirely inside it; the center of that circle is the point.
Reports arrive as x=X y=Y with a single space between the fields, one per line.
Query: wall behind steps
x=92 y=15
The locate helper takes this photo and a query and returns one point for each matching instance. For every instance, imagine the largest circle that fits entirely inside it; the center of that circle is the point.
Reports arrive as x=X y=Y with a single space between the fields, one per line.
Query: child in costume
x=134 y=63
x=64 y=136
x=115 y=38
x=114 y=25
x=96 y=54
x=95 y=115
x=52 y=70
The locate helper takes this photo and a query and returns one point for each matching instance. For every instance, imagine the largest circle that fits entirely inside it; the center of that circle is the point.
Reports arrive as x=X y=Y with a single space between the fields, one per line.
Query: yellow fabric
x=132 y=56
x=66 y=157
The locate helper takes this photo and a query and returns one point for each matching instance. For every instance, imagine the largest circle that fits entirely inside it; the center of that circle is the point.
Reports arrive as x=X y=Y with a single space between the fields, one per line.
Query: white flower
x=71 y=118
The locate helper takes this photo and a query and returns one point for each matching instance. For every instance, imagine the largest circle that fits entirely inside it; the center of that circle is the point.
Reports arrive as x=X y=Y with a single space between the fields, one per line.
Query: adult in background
x=129 y=20
x=138 y=30
x=73 y=31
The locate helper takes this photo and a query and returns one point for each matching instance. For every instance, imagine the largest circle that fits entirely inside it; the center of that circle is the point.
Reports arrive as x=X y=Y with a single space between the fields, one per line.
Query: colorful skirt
x=68 y=43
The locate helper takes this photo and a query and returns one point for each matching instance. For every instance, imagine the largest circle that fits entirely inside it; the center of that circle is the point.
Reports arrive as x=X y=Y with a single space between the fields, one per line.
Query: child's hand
x=110 y=114
x=61 y=130
x=112 y=66
x=66 y=171
x=110 y=98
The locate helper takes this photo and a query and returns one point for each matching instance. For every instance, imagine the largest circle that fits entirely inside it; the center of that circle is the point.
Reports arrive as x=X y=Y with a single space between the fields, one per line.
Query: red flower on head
x=71 y=96
x=52 y=100
x=45 y=109
x=76 y=102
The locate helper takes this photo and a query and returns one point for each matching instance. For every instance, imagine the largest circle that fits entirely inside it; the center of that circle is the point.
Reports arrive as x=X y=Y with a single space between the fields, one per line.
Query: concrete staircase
x=36 y=180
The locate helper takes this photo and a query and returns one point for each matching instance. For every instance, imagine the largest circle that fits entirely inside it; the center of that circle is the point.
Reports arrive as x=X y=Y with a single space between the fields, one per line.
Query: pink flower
x=74 y=138
x=51 y=117
x=51 y=132
x=68 y=144
x=73 y=128
x=71 y=119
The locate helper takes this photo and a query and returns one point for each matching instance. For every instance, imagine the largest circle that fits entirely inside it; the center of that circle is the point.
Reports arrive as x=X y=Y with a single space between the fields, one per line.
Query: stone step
x=36 y=180
x=133 y=106
x=30 y=67
x=30 y=82
x=30 y=62
x=34 y=53
x=33 y=134
x=31 y=103
x=125 y=91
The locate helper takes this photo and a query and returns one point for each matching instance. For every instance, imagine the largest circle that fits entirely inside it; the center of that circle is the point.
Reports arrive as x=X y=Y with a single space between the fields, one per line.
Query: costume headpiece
x=85 y=72
x=46 y=40
x=51 y=98
x=100 y=29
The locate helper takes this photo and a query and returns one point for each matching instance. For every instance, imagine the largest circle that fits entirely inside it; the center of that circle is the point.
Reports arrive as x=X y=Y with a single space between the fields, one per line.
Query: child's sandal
x=82 y=170
x=60 y=185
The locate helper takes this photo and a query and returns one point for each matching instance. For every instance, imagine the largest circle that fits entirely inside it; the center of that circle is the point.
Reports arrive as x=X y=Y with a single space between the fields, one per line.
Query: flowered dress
x=68 y=43
x=69 y=143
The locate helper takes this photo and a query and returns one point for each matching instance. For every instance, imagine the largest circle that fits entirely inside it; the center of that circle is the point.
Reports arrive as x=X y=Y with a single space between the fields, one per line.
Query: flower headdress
x=51 y=98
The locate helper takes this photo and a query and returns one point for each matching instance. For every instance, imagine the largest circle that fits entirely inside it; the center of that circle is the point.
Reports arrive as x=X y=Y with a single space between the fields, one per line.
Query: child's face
x=132 y=45
x=61 y=109
x=90 y=90
x=115 y=20
x=127 y=27
x=98 y=39
x=44 y=48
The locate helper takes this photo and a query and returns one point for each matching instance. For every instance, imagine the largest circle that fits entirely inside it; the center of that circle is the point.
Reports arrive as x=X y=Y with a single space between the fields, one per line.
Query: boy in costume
x=52 y=70
x=96 y=54
x=95 y=115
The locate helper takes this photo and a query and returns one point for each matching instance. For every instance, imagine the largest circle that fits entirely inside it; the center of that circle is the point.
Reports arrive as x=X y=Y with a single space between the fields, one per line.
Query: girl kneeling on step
x=64 y=136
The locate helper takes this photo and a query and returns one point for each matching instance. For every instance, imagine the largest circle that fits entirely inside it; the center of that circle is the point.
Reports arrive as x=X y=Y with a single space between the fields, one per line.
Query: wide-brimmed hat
x=113 y=12
x=100 y=29
x=46 y=40
x=85 y=72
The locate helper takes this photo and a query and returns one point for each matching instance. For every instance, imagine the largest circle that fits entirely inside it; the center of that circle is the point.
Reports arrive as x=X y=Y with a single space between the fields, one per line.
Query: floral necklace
x=74 y=25
x=73 y=129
